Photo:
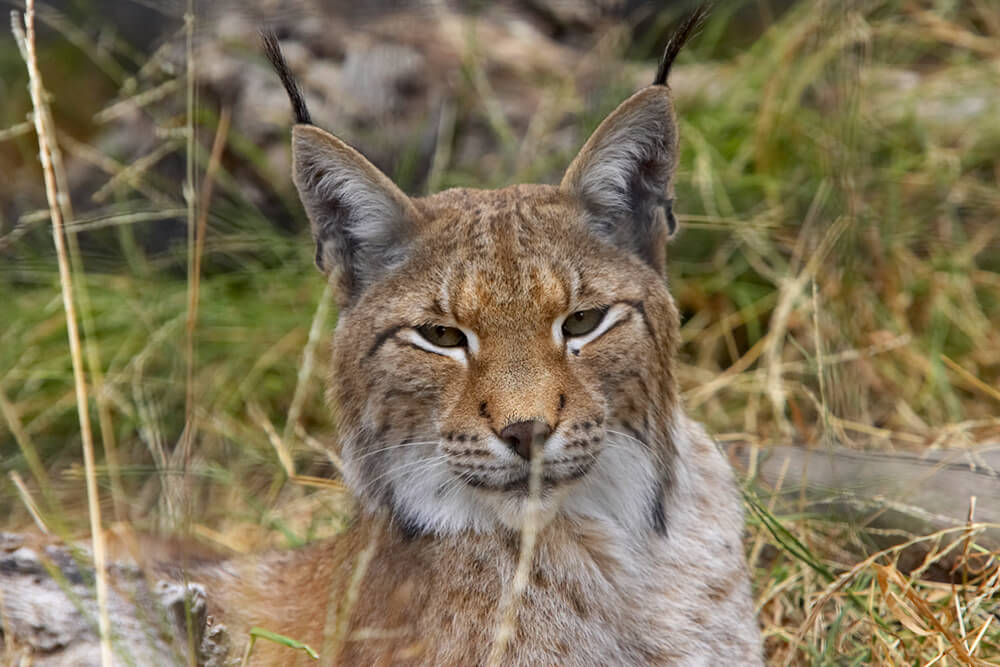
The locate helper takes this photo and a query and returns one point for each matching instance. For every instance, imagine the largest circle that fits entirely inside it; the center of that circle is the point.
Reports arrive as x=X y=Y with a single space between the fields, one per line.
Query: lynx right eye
x=582 y=322
x=442 y=336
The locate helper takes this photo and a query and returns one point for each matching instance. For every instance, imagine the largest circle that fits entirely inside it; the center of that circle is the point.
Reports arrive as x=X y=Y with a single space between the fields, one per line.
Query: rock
x=49 y=606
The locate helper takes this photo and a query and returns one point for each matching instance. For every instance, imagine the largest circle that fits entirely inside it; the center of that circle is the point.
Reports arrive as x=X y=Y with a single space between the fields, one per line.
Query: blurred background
x=838 y=265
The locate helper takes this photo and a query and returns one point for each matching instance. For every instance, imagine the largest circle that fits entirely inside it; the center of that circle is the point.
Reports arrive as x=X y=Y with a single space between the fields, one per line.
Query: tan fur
x=639 y=558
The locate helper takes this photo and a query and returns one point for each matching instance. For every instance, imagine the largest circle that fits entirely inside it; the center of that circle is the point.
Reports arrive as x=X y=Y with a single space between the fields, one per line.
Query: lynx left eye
x=442 y=336
x=582 y=322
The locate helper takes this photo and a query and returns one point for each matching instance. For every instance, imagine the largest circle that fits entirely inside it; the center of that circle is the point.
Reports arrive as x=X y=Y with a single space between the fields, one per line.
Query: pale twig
x=979 y=635
x=26 y=36
x=86 y=311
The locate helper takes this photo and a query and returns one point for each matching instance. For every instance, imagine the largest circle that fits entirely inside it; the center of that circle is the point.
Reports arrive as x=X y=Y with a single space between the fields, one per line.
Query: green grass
x=840 y=254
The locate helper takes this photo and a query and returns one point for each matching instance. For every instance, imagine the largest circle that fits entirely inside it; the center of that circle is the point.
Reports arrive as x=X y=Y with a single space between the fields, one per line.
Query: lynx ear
x=623 y=174
x=363 y=224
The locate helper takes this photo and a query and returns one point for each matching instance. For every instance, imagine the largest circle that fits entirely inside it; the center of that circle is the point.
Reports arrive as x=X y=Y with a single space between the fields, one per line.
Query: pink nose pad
x=520 y=436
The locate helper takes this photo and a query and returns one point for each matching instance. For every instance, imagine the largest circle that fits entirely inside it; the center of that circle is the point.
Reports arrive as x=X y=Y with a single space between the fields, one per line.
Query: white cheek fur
x=557 y=334
x=472 y=340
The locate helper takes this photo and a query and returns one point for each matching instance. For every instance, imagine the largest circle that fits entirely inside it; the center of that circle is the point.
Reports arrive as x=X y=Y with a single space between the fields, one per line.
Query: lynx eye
x=582 y=322
x=442 y=336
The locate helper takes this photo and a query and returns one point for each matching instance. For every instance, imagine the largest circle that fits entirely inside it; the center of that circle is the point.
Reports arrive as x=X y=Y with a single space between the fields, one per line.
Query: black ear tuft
x=273 y=52
x=678 y=39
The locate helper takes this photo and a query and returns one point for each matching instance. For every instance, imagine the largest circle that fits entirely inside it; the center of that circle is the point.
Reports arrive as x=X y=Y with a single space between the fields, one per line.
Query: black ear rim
x=689 y=25
x=273 y=52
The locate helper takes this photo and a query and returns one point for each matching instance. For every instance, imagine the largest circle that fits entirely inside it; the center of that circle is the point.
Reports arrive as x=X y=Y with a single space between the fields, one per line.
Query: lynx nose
x=520 y=436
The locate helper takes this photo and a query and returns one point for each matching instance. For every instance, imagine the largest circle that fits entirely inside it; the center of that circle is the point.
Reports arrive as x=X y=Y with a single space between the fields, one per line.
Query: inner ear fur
x=623 y=175
x=362 y=222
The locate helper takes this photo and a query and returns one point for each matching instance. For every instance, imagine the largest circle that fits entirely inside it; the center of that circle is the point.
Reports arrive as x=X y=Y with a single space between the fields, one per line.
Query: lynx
x=529 y=488
x=505 y=358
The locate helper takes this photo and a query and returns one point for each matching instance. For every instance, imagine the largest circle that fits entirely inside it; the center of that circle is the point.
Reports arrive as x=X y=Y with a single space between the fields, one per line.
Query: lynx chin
x=505 y=358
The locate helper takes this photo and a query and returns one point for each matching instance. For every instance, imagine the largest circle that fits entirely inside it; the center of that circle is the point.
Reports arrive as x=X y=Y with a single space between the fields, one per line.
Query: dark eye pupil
x=440 y=331
x=579 y=315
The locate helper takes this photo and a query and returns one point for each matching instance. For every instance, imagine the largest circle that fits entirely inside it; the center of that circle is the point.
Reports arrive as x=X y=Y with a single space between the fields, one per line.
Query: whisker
x=453 y=486
x=407 y=467
x=456 y=485
x=630 y=437
x=418 y=443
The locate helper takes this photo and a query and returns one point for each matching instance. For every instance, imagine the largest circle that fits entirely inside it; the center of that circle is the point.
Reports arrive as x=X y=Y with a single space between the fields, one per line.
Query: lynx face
x=511 y=331
x=479 y=329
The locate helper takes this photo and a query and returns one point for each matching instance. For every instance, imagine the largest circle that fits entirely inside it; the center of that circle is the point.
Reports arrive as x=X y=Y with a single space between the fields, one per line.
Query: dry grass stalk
x=284 y=456
x=511 y=601
x=970 y=379
x=29 y=502
x=907 y=606
x=16 y=130
x=317 y=446
x=307 y=365
x=24 y=442
x=338 y=619
x=196 y=243
x=281 y=448
x=93 y=354
x=130 y=175
x=139 y=101
x=26 y=39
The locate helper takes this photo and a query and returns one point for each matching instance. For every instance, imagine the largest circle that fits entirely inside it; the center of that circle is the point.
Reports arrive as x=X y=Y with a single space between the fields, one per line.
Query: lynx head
x=479 y=329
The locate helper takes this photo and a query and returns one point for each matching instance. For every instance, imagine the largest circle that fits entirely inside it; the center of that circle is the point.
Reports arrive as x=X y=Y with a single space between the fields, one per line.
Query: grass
x=838 y=273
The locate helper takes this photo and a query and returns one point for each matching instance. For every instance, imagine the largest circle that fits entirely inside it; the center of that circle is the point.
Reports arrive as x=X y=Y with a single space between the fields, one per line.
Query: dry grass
x=839 y=276
x=25 y=35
